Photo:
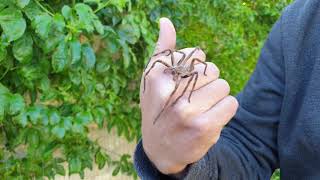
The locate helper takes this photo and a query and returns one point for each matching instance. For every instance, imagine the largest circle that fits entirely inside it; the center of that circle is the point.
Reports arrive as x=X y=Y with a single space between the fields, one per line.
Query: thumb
x=167 y=36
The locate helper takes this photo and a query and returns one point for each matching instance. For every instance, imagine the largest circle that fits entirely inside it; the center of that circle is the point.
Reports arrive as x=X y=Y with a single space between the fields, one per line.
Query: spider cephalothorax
x=179 y=70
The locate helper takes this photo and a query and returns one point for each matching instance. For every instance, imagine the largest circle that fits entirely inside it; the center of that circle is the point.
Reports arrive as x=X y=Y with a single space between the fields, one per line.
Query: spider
x=180 y=70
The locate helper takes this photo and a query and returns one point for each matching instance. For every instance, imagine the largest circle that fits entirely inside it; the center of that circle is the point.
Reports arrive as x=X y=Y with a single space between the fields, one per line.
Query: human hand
x=185 y=131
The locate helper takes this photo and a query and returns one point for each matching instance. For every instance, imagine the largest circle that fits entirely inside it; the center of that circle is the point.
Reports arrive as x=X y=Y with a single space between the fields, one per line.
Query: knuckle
x=234 y=104
x=224 y=86
x=212 y=68
x=200 y=53
x=152 y=76
x=181 y=110
x=201 y=129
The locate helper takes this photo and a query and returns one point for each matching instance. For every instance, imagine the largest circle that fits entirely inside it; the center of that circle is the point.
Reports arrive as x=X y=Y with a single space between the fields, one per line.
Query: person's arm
x=247 y=148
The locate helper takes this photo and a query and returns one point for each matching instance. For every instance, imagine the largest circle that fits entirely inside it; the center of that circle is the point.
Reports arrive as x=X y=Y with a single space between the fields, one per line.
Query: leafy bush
x=68 y=64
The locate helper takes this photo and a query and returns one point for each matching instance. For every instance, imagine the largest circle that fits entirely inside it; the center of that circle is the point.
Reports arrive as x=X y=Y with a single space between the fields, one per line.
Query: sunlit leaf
x=23 y=48
x=75 y=47
x=16 y=104
x=12 y=23
x=59 y=57
x=88 y=56
x=22 y=3
x=43 y=24
x=59 y=131
x=74 y=165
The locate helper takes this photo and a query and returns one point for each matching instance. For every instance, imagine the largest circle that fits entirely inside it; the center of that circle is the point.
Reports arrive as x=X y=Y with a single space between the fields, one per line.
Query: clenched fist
x=186 y=130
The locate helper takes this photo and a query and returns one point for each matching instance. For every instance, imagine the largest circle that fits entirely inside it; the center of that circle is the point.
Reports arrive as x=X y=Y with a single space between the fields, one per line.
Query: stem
x=73 y=2
x=43 y=8
x=4 y=74
x=103 y=6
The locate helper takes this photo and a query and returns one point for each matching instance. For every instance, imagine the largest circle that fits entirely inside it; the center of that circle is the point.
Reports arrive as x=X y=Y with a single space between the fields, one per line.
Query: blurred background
x=70 y=73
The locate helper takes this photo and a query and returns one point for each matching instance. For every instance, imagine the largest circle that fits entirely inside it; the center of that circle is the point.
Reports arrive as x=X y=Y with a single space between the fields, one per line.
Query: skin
x=184 y=132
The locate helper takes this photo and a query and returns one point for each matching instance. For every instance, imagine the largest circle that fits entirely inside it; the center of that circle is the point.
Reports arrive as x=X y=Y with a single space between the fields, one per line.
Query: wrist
x=164 y=165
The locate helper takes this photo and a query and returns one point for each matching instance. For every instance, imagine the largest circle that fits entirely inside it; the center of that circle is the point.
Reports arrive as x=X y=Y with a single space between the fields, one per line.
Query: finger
x=207 y=73
x=220 y=114
x=210 y=124
x=167 y=36
x=204 y=98
x=163 y=83
x=213 y=93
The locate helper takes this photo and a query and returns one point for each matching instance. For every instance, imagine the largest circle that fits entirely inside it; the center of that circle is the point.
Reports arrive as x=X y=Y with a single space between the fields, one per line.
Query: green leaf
x=85 y=15
x=4 y=4
x=129 y=33
x=44 y=84
x=83 y=118
x=89 y=56
x=54 y=118
x=12 y=23
x=100 y=159
x=22 y=3
x=32 y=10
x=66 y=12
x=59 y=131
x=75 y=77
x=22 y=119
x=44 y=118
x=92 y=1
x=34 y=114
x=58 y=21
x=67 y=123
x=3 y=105
x=43 y=24
x=23 y=49
x=59 y=57
x=52 y=42
x=3 y=53
x=77 y=128
x=60 y=170
x=119 y=4
x=116 y=171
x=75 y=47
x=17 y=104
x=74 y=165
x=33 y=137
x=125 y=54
x=99 y=27
x=99 y=116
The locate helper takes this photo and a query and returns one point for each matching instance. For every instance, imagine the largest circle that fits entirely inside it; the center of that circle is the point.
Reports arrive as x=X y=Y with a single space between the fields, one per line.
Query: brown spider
x=179 y=71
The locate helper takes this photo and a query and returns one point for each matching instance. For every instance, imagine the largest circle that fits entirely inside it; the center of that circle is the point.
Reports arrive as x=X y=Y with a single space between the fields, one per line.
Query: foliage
x=69 y=64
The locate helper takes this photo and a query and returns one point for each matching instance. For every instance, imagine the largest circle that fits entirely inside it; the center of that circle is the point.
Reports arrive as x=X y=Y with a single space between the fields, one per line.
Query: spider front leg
x=183 y=61
x=198 y=60
x=192 y=75
x=169 y=51
x=144 y=78
x=168 y=101
x=183 y=56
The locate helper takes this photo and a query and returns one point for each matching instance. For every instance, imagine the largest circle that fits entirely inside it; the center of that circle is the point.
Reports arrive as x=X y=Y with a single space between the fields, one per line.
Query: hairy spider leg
x=168 y=101
x=183 y=61
x=198 y=60
x=183 y=56
x=194 y=85
x=191 y=75
x=162 y=52
x=157 y=61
